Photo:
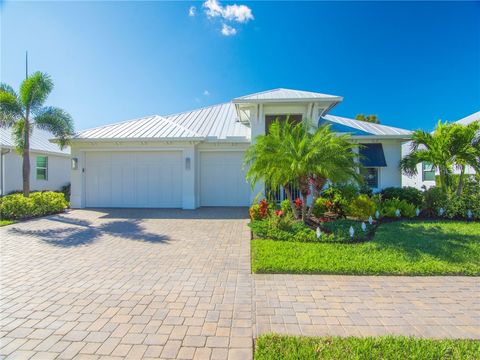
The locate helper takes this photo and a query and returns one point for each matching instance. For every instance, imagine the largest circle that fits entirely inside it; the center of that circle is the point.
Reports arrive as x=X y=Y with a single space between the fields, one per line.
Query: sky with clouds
x=410 y=63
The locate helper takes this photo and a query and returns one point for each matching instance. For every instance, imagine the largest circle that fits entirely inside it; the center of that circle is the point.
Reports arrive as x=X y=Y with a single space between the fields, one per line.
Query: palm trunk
x=319 y=184
x=460 y=181
x=290 y=199
x=443 y=180
x=304 y=207
x=26 y=160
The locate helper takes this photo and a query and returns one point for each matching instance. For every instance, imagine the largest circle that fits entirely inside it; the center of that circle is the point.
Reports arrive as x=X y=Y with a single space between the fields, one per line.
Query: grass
x=269 y=347
x=5 y=222
x=398 y=248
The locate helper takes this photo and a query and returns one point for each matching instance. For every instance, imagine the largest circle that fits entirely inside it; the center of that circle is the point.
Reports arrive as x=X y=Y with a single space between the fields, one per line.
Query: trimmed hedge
x=16 y=206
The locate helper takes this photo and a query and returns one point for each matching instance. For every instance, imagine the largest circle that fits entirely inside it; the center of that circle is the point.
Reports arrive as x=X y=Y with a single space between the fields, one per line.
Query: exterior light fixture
x=187 y=163
x=74 y=163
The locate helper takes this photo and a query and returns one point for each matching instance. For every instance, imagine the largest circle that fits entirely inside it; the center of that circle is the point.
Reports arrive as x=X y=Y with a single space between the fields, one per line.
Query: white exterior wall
x=190 y=176
x=58 y=172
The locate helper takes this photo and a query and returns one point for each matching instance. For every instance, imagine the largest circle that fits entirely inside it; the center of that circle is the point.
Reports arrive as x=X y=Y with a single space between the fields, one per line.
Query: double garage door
x=154 y=179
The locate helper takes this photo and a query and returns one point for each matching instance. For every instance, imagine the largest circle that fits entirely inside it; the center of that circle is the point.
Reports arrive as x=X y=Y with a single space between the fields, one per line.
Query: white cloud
x=192 y=11
x=238 y=13
x=206 y=92
x=228 y=30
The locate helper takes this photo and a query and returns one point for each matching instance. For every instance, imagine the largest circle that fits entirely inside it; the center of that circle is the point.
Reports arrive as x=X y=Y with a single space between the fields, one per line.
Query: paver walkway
x=114 y=284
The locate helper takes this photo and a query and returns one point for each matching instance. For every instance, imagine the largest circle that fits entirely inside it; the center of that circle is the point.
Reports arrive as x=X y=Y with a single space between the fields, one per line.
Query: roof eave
x=289 y=100
x=377 y=137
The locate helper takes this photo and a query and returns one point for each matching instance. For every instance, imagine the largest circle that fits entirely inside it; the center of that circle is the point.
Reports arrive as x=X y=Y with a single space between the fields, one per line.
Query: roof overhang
x=288 y=100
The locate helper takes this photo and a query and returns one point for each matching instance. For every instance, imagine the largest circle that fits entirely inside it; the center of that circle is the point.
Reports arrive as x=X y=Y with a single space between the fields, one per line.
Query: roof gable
x=469 y=119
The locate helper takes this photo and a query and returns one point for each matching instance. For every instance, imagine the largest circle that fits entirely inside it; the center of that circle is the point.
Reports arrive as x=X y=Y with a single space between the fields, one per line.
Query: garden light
x=397 y=213
x=364 y=227
x=469 y=214
x=417 y=211
x=377 y=214
x=319 y=233
x=441 y=211
x=352 y=231
x=370 y=220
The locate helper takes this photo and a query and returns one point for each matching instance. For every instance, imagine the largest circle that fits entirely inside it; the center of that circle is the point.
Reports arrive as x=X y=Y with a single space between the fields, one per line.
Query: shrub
x=259 y=211
x=17 y=206
x=338 y=200
x=285 y=206
x=389 y=208
x=433 y=199
x=321 y=206
x=362 y=207
x=409 y=194
x=457 y=207
x=340 y=230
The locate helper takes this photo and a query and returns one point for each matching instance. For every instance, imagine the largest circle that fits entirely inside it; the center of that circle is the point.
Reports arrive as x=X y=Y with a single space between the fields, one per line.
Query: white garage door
x=222 y=180
x=134 y=179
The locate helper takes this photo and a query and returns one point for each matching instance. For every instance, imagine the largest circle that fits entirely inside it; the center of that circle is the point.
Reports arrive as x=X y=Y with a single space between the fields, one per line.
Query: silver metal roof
x=280 y=94
x=362 y=128
x=469 y=119
x=217 y=122
x=39 y=141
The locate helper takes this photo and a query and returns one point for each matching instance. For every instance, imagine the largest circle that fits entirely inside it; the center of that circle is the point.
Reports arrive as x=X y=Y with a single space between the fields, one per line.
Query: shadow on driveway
x=82 y=232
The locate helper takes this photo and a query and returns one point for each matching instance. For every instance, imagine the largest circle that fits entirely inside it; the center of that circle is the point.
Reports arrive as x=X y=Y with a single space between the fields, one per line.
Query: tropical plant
x=300 y=154
x=437 y=148
x=26 y=111
x=467 y=149
x=407 y=193
x=368 y=118
x=362 y=207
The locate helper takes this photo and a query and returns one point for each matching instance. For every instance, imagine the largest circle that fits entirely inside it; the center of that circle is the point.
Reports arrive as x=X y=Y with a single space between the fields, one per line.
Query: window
x=370 y=176
x=269 y=119
x=428 y=171
x=42 y=168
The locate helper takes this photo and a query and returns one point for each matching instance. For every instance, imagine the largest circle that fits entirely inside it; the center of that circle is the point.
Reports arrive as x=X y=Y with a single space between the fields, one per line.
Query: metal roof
x=469 y=119
x=281 y=94
x=39 y=141
x=362 y=128
x=215 y=122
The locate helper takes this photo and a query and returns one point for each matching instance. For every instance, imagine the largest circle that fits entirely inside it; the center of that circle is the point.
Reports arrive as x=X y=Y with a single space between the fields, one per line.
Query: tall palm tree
x=25 y=111
x=437 y=148
x=466 y=149
x=301 y=154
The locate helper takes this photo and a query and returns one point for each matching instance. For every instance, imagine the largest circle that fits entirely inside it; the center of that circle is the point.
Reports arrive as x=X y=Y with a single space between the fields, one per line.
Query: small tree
x=368 y=118
x=26 y=111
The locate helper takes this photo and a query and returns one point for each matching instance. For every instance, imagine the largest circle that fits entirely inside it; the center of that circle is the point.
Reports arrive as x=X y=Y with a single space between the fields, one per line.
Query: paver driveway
x=127 y=284
x=169 y=283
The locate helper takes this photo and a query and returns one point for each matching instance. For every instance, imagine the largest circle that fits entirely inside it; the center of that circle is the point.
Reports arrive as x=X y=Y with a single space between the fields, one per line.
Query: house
x=195 y=158
x=425 y=177
x=49 y=165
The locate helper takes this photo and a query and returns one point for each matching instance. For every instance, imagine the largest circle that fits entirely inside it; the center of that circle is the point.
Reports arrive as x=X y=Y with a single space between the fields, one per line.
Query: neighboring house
x=425 y=177
x=195 y=158
x=49 y=165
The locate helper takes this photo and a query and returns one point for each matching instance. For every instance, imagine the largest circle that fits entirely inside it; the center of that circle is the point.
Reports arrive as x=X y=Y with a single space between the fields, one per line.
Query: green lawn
x=398 y=248
x=269 y=347
x=5 y=222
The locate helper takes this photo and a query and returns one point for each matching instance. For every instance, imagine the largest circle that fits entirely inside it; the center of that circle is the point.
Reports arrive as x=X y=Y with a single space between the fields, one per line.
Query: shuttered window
x=428 y=171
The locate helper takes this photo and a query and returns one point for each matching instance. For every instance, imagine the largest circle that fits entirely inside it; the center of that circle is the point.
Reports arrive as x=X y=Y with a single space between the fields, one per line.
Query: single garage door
x=134 y=179
x=222 y=180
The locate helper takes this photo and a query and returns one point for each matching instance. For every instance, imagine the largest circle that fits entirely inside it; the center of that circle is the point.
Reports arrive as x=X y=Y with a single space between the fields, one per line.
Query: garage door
x=134 y=179
x=222 y=180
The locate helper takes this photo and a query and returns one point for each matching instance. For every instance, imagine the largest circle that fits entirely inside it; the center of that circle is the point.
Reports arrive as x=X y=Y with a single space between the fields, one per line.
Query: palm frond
x=57 y=121
x=10 y=107
x=34 y=90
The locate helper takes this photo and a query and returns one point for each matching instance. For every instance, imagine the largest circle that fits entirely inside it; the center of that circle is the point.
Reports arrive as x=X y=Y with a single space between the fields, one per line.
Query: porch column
x=188 y=186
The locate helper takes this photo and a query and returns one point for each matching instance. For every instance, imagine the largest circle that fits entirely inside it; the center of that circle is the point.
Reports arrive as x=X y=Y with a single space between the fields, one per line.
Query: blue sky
x=410 y=63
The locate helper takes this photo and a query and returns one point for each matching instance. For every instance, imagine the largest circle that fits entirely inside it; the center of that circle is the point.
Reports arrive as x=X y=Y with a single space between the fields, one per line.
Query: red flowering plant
x=298 y=203
x=259 y=211
x=279 y=213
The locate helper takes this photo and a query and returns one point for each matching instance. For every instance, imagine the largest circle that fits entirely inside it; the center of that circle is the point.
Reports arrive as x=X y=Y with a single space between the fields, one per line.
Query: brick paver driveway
x=127 y=284
x=169 y=283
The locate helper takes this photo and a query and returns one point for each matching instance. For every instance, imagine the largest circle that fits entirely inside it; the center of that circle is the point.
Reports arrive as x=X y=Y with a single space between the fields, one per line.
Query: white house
x=49 y=165
x=195 y=158
x=425 y=177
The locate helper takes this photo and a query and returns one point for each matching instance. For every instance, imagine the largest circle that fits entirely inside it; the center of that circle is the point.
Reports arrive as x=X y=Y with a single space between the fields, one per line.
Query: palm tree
x=437 y=148
x=368 y=118
x=300 y=154
x=466 y=149
x=26 y=111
